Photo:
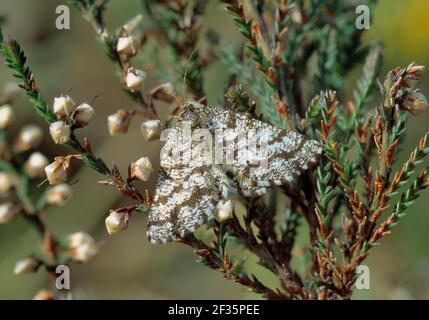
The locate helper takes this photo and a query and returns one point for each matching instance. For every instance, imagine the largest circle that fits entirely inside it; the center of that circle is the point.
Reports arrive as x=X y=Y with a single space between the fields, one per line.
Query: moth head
x=193 y=112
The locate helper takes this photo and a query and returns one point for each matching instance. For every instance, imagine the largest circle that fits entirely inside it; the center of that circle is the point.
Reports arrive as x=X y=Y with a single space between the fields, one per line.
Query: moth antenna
x=186 y=73
x=94 y=98
x=42 y=183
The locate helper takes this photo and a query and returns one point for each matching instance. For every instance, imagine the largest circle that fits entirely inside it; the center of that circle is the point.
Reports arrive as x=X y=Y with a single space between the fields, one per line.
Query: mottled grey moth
x=211 y=152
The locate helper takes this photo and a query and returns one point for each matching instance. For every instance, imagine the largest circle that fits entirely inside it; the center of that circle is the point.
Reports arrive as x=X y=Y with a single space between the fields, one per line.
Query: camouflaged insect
x=193 y=177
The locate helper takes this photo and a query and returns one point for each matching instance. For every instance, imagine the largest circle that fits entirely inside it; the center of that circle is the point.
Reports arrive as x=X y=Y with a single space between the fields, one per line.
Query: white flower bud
x=132 y=24
x=164 y=92
x=60 y=132
x=127 y=46
x=44 y=295
x=6 y=184
x=413 y=75
x=83 y=114
x=63 y=106
x=8 y=212
x=79 y=238
x=119 y=122
x=134 y=79
x=7 y=117
x=24 y=266
x=225 y=210
x=59 y=194
x=82 y=247
x=141 y=169
x=11 y=91
x=57 y=171
x=35 y=165
x=416 y=102
x=117 y=222
x=151 y=129
x=30 y=137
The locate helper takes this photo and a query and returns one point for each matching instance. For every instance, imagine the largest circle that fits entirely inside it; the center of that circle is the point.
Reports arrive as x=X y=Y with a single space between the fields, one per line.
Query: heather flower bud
x=225 y=210
x=415 y=72
x=127 y=46
x=6 y=184
x=8 y=212
x=7 y=117
x=57 y=171
x=164 y=92
x=119 y=122
x=141 y=169
x=30 y=137
x=24 y=266
x=35 y=165
x=63 y=106
x=44 y=295
x=60 y=132
x=151 y=129
x=117 y=221
x=132 y=24
x=83 y=114
x=59 y=194
x=82 y=247
x=11 y=91
x=134 y=79
x=415 y=102
x=411 y=76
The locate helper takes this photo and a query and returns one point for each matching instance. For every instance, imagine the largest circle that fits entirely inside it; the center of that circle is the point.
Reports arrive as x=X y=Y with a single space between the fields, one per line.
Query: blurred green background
x=128 y=267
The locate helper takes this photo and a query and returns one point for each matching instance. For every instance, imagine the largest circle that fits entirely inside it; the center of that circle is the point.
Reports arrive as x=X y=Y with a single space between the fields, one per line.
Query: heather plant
x=22 y=169
x=290 y=71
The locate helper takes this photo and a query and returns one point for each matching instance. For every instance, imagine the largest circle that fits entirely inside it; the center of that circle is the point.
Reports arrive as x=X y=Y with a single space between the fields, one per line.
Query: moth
x=213 y=152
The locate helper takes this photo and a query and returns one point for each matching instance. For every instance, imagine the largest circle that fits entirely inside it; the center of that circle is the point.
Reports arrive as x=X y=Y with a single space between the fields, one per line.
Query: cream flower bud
x=35 y=165
x=119 y=122
x=134 y=79
x=6 y=184
x=83 y=114
x=151 y=129
x=44 y=295
x=7 y=117
x=63 y=106
x=60 y=132
x=11 y=90
x=416 y=102
x=132 y=24
x=59 y=194
x=24 y=266
x=164 y=92
x=225 y=210
x=82 y=247
x=57 y=171
x=127 y=46
x=30 y=137
x=117 y=222
x=8 y=212
x=141 y=169
x=414 y=72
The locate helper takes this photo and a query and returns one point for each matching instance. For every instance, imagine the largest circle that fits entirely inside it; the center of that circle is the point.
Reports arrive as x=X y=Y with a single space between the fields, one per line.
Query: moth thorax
x=192 y=113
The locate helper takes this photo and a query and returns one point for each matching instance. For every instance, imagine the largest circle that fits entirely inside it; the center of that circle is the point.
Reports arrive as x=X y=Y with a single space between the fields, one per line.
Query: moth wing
x=268 y=155
x=185 y=198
